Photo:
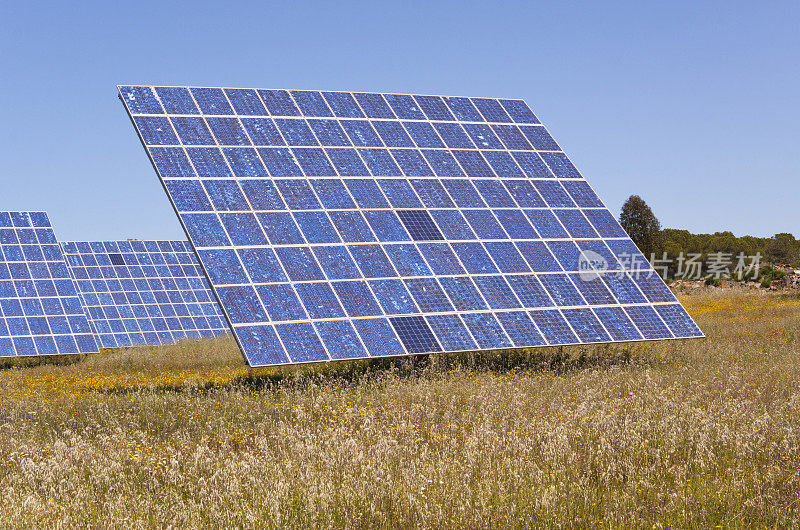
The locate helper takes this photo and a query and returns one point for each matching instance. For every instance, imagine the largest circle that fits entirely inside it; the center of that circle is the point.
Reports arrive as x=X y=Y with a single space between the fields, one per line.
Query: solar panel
x=339 y=225
x=40 y=312
x=143 y=292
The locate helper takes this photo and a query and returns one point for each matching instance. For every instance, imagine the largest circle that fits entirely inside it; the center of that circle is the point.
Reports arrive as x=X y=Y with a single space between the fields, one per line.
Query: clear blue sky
x=694 y=107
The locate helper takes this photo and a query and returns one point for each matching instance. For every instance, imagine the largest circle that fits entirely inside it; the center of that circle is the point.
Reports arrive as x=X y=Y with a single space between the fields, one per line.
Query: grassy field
x=671 y=434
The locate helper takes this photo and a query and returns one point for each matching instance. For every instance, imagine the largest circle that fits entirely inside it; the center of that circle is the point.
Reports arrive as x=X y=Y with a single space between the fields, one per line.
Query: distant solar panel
x=337 y=225
x=40 y=312
x=143 y=292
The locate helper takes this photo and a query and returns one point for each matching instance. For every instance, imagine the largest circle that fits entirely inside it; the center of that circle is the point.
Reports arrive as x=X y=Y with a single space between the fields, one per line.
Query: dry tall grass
x=692 y=434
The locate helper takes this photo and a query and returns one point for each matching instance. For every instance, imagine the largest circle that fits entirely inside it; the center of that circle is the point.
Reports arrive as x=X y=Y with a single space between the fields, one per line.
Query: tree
x=642 y=225
x=783 y=249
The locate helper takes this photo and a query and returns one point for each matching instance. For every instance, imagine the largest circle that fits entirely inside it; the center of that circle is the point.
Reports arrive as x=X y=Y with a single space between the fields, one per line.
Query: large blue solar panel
x=336 y=225
x=143 y=292
x=40 y=311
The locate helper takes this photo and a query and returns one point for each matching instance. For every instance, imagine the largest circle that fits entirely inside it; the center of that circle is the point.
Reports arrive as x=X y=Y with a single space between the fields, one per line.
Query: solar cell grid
x=388 y=200
x=487 y=331
x=521 y=329
x=617 y=323
x=146 y=292
x=40 y=312
x=451 y=332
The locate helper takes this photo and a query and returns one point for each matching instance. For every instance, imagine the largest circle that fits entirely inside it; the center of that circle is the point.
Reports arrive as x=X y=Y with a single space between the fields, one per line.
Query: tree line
x=669 y=244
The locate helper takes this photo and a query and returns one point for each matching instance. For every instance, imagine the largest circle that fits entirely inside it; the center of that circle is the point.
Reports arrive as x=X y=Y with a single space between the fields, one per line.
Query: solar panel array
x=40 y=312
x=337 y=225
x=143 y=292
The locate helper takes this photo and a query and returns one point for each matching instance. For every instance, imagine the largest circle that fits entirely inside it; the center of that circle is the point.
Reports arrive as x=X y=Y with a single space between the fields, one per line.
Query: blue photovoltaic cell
x=604 y=223
x=561 y=290
x=538 y=256
x=434 y=107
x=429 y=295
x=463 y=109
x=560 y=165
x=521 y=328
x=487 y=331
x=341 y=339
x=483 y=137
x=337 y=225
x=653 y=287
x=393 y=297
x=407 y=260
x=496 y=292
x=519 y=111
x=415 y=334
x=374 y=105
x=211 y=101
x=618 y=324
x=628 y=255
x=343 y=105
x=586 y=325
x=546 y=223
x=152 y=292
x=491 y=109
x=582 y=194
x=378 y=337
x=432 y=193
x=451 y=332
x=648 y=322
x=532 y=164
x=566 y=252
x=678 y=320
x=246 y=101
x=40 y=311
x=516 y=224
x=539 y=138
x=622 y=287
x=593 y=289
x=463 y=293
x=302 y=338
x=529 y=291
x=575 y=223
x=176 y=100
x=555 y=329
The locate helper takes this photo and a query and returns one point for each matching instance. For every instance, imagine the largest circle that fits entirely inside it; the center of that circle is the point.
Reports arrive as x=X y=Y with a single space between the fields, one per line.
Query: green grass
x=679 y=433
